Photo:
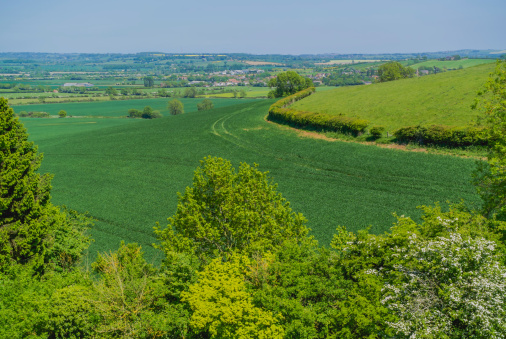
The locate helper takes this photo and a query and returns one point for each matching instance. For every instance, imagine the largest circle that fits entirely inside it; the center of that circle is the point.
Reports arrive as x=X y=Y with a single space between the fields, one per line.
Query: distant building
x=77 y=84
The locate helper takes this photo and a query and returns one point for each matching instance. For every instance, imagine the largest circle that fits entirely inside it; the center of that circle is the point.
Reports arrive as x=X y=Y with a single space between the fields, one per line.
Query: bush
x=175 y=107
x=38 y=115
x=443 y=135
x=336 y=123
x=205 y=105
x=134 y=113
x=377 y=131
x=62 y=114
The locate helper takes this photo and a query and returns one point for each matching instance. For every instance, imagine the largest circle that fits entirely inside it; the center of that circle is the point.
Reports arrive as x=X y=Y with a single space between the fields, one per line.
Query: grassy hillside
x=451 y=64
x=127 y=172
x=443 y=98
x=119 y=108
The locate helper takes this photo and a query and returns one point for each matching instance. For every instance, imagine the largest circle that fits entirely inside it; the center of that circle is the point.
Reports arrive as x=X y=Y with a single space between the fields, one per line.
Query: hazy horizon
x=263 y=27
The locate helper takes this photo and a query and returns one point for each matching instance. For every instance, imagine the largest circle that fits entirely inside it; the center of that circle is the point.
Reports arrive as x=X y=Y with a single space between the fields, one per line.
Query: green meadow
x=119 y=108
x=451 y=64
x=126 y=172
x=443 y=98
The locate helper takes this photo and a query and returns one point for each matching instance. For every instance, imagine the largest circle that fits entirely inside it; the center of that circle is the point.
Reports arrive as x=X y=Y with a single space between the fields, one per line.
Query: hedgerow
x=279 y=112
x=443 y=135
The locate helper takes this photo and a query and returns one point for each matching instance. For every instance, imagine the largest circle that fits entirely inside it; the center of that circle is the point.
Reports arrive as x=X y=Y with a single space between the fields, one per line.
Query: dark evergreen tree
x=27 y=217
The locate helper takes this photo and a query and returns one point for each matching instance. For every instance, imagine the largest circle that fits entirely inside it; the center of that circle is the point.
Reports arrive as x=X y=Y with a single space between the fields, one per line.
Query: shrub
x=442 y=135
x=62 y=114
x=175 y=107
x=337 y=123
x=134 y=113
x=377 y=131
x=205 y=105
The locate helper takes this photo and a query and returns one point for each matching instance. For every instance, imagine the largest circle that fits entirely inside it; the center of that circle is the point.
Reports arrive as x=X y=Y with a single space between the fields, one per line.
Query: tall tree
x=227 y=211
x=287 y=83
x=490 y=178
x=175 y=107
x=26 y=215
x=149 y=81
x=394 y=71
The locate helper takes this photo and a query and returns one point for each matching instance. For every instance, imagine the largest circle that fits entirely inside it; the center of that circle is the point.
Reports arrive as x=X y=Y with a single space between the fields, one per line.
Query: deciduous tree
x=227 y=210
x=205 y=105
x=490 y=178
x=287 y=83
x=175 y=107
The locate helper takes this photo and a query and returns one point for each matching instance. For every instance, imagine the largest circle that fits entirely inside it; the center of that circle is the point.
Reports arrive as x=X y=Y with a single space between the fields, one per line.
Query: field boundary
x=280 y=113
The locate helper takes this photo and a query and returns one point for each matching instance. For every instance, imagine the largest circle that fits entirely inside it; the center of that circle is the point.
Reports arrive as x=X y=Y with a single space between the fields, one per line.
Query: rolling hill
x=443 y=98
x=126 y=173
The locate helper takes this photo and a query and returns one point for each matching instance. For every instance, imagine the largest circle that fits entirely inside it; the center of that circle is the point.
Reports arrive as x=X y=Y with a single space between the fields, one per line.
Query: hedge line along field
x=127 y=174
x=443 y=98
x=119 y=108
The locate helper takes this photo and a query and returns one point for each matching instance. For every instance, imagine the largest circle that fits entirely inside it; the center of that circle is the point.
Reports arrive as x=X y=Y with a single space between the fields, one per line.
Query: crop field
x=452 y=64
x=126 y=173
x=343 y=62
x=443 y=98
x=119 y=108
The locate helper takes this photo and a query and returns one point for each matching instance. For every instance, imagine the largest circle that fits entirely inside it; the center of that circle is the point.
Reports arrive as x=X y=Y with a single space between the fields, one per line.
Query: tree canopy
x=288 y=83
x=394 y=71
x=205 y=105
x=490 y=178
x=228 y=210
x=175 y=107
x=30 y=226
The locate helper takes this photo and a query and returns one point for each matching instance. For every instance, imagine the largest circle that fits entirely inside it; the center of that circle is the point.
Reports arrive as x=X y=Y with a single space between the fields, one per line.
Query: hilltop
x=443 y=98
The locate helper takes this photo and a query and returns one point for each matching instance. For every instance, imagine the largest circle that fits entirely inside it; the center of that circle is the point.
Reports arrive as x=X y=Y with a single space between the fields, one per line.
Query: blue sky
x=258 y=27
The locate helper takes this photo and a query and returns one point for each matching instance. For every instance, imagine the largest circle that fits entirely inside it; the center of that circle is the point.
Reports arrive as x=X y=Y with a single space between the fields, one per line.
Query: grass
x=127 y=172
x=453 y=64
x=119 y=108
x=444 y=98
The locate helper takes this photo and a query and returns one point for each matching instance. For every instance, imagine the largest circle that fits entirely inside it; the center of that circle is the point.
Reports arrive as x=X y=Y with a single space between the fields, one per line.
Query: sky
x=256 y=27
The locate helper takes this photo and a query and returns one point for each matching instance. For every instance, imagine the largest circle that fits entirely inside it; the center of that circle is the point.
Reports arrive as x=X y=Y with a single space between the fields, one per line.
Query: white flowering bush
x=450 y=287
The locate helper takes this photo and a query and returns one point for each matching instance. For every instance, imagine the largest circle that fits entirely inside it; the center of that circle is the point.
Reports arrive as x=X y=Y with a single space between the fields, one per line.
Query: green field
x=119 y=108
x=451 y=64
x=443 y=98
x=126 y=173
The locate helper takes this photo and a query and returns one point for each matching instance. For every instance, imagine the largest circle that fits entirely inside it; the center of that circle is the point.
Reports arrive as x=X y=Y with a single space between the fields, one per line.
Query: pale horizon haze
x=256 y=27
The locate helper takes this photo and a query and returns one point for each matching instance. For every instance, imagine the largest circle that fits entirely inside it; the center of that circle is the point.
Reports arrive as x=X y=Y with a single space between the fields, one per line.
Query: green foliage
x=175 y=107
x=394 y=71
x=62 y=114
x=111 y=91
x=127 y=294
x=490 y=178
x=288 y=83
x=190 y=92
x=205 y=105
x=222 y=306
x=227 y=211
x=149 y=113
x=403 y=279
x=279 y=113
x=26 y=215
x=149 y=81
x=134 y=113
x=377 y=131
x=52 y=306
x=443 y=135
x=302 y=284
